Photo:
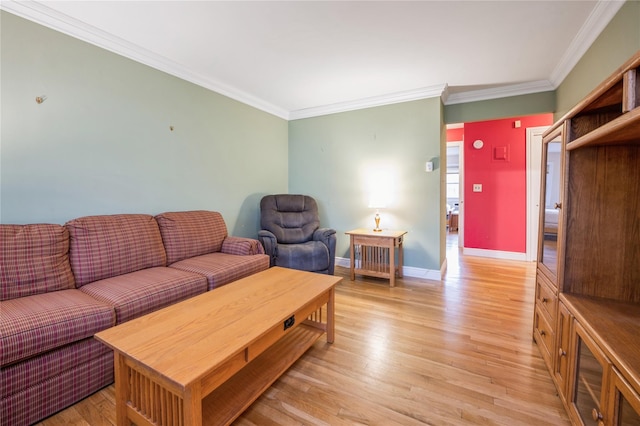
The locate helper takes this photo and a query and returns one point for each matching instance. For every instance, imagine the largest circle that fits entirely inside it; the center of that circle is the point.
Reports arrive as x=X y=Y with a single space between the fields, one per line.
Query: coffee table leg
x=122 y=389
x=331 y=325
x=193 y=405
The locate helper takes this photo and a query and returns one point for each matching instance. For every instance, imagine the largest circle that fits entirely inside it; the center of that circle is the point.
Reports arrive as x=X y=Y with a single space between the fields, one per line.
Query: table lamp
x=377 y=201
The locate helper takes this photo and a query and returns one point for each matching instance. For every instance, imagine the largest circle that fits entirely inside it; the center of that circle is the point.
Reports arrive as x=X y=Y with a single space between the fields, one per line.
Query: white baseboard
x=495 y=254
x=407 y=271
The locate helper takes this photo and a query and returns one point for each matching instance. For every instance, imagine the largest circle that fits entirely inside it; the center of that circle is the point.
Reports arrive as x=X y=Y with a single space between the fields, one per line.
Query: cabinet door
x=590 y=375
x=563 y=336
x=551 y=191
x=624 y=402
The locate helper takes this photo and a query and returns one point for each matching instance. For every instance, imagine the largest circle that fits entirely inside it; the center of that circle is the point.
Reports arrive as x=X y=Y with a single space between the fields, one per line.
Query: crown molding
x=38 y=12
x=499 y=92
x=388 y=99
x=43 y=15
x=597 y=21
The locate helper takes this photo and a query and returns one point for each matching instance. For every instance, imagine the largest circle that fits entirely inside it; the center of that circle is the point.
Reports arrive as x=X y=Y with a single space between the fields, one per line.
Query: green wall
x=331 y=158
x=615 y=45
x=492 y=109
x=101 y=142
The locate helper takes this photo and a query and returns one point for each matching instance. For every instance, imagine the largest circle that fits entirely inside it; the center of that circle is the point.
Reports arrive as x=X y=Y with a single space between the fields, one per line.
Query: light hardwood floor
x=456 y=352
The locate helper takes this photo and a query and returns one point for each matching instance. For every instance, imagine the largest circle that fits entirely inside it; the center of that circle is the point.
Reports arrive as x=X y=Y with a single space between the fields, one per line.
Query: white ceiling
x=298 y=59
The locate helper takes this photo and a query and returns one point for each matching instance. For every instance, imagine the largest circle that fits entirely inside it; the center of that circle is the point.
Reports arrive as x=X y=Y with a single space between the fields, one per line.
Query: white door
x=534 y=160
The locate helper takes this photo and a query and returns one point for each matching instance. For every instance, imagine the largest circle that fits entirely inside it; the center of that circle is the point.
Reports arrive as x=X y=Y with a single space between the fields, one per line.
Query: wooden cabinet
x=624 y=402
x=587 y=305
x=591 y=368
x=549 y=255
x=544 y=318
x=564 y=350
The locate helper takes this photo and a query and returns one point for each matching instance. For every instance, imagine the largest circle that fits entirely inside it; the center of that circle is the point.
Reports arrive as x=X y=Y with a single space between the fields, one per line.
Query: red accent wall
x=496 y=218
x=455 y=135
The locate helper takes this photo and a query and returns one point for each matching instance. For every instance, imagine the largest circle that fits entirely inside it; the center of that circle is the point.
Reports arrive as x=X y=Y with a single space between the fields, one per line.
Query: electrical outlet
x=477 y=187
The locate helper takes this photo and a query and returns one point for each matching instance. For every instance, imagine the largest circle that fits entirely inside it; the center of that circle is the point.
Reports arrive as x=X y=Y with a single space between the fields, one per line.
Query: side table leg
x=400 y=258
x=392 y=265
x=352 y=258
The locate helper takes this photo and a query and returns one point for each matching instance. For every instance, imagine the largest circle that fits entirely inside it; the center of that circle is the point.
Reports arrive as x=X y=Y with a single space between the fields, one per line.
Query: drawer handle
x=562 y=352
x=597 y=415
x=543 y=333
x=288 y=323
x=544 y=300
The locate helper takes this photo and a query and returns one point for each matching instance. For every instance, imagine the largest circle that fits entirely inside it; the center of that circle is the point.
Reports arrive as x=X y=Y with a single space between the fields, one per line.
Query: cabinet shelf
x=623 y=130
x=616 y=325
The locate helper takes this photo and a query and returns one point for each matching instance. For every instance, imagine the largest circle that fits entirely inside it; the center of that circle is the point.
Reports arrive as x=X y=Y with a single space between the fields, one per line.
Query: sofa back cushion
x=33 y=259
x=108 y=246
x=191 y=233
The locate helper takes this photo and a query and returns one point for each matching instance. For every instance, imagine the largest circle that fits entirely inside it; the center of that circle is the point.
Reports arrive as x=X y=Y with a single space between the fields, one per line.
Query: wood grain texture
x=603 y=223
x=237 y=314
x=616 y=326
x=451 y=352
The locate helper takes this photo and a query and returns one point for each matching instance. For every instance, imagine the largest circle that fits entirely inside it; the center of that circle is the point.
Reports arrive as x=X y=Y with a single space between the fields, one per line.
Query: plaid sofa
x=62 y=284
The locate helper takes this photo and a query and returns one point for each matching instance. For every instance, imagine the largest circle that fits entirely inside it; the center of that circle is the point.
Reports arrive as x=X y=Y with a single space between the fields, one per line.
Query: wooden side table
x=373 y=253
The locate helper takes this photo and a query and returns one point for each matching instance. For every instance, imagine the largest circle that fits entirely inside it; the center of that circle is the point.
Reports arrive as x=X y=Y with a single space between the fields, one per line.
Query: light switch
x=428 y=166
x=477 y=187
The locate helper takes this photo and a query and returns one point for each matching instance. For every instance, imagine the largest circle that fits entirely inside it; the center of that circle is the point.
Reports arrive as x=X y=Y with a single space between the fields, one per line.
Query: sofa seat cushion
x=310 y=256
x=191 y=233
x=106 y=246
x=35 y=324
x=138 y=293
x=223 y=268
x=34 y=259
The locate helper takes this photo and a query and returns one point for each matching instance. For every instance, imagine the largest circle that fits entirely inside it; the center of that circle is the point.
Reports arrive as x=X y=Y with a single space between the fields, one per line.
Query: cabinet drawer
x=546 y=299
x=544 y=336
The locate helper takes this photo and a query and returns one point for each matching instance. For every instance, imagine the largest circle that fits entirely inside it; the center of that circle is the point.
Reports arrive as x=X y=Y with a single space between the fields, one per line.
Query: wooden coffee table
x=206 y=359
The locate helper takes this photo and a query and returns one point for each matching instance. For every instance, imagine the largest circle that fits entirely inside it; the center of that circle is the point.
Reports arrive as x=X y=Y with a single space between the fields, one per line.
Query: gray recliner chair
x=291 y=234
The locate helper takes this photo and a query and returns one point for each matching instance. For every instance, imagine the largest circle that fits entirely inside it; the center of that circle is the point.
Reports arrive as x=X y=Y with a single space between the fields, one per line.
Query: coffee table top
x=210 y=328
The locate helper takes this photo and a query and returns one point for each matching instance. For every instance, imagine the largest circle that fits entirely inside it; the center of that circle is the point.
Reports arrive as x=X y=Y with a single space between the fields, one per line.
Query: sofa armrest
x=241 y=246
x=270 y=245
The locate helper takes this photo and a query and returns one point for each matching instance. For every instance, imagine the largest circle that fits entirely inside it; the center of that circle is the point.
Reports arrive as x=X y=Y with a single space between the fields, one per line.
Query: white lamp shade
x=379 y=189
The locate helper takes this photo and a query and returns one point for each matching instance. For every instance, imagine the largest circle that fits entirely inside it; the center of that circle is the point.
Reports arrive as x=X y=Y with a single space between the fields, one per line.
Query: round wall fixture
x=477 y=144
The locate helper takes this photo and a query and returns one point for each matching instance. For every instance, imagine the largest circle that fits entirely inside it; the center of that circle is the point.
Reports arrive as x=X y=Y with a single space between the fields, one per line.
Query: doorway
x=455 y=191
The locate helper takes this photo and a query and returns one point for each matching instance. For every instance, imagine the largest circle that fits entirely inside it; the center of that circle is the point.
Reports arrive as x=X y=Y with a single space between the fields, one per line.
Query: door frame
x=534 y=164
x=460 y=145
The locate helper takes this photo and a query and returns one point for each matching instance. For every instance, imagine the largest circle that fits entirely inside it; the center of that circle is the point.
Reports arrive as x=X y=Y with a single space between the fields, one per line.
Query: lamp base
x=377 y=219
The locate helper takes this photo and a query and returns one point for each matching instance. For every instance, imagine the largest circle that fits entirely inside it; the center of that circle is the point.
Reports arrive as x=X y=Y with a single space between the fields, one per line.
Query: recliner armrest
x=270 y=244
x=241 y=246
x=328 y=237
x=323 y=234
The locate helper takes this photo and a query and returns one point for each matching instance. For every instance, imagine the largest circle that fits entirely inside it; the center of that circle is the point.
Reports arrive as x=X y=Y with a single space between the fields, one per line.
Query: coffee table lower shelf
x=227 y=402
